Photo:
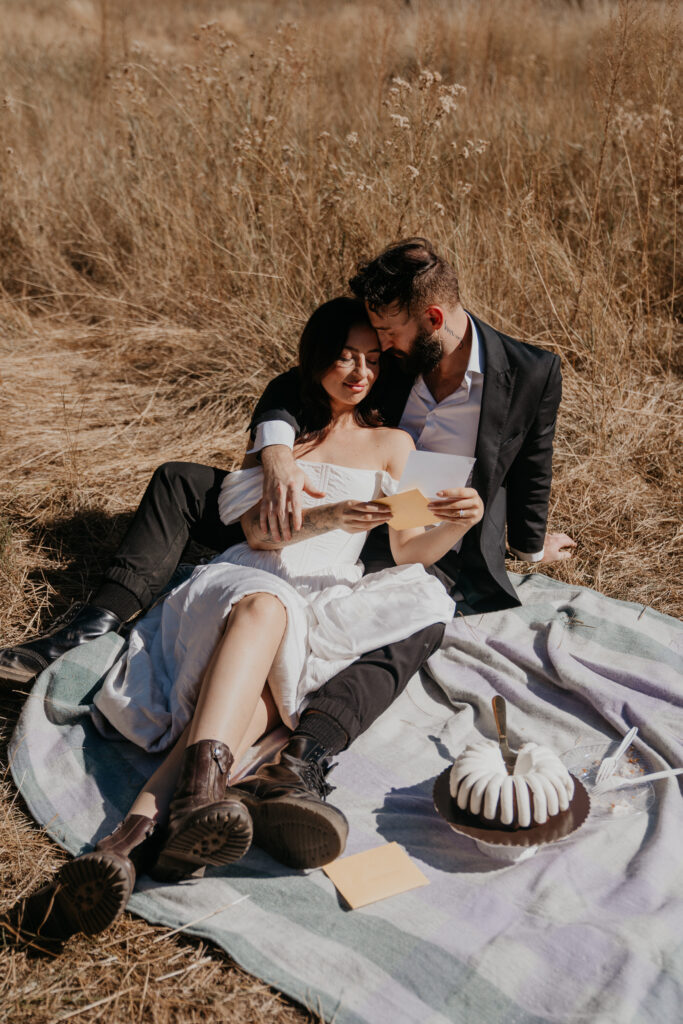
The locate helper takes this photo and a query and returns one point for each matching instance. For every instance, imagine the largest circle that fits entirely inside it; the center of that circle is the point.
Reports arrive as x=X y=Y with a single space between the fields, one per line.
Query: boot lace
x=313 y=774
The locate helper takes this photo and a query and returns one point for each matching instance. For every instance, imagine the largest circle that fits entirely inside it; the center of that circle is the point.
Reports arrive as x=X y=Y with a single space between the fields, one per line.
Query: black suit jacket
x=513 y=472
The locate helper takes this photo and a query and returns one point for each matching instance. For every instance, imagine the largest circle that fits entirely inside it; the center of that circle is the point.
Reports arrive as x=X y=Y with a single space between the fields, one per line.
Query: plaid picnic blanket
x=586 y=930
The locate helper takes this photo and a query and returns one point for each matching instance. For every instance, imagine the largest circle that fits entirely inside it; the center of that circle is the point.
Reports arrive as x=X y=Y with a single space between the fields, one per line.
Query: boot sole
x=92 y=892
x=297 y=833
x=212 y=835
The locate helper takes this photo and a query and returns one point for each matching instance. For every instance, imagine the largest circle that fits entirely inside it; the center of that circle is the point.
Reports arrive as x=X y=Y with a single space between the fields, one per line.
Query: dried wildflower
x=426 y=79
x=440 y=209
x=399 y=121
x=447 y=104
x=474 y=147
x=352 y=139
x=413 y=171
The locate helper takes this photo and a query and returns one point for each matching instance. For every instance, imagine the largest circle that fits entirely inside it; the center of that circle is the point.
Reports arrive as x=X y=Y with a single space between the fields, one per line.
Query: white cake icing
x=480 y=784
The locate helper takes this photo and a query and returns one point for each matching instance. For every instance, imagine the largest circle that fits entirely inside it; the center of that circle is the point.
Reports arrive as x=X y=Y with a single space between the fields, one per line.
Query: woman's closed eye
x=350 y=358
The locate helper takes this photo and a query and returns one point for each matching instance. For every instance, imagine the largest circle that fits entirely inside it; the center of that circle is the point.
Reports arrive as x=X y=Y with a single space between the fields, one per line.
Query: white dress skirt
x=334 y=614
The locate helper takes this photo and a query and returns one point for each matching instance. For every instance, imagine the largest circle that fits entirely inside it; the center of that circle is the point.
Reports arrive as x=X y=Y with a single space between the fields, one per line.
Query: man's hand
x=283 y=483
x=557 y=547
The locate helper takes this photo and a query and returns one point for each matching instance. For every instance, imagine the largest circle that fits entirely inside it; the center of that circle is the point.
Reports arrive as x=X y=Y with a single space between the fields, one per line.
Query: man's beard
x=425 y=354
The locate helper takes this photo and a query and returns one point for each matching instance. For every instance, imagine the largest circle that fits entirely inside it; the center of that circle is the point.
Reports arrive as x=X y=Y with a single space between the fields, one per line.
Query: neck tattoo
x=449 y=330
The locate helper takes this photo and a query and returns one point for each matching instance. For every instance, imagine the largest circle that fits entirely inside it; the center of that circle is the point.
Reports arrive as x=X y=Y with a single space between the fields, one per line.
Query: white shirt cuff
x=273 y=432
x=528 y=556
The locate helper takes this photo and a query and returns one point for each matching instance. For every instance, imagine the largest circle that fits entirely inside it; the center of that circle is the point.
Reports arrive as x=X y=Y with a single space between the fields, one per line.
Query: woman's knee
x=265 y=607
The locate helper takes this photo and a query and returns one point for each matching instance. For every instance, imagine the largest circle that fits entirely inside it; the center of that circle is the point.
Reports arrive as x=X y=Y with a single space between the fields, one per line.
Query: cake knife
x=500 y=715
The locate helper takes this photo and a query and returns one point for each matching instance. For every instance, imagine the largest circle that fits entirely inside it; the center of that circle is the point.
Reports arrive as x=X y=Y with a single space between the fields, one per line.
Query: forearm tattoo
x=315 y=521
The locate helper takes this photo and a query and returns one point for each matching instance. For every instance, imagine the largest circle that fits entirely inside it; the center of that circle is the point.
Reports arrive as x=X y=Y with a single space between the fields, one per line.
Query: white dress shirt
x=449 y=426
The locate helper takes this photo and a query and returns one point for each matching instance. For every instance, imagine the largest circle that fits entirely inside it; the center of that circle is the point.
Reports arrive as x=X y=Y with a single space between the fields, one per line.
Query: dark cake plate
x=506 y=844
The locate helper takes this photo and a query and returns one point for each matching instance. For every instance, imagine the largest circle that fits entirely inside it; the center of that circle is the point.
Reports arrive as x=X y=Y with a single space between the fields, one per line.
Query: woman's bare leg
x=235 y=704
x=236 y=707
x=154 y=799
x=235 y=678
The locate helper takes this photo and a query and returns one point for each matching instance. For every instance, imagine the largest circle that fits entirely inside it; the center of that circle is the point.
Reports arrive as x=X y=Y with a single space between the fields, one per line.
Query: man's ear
x=435 y=317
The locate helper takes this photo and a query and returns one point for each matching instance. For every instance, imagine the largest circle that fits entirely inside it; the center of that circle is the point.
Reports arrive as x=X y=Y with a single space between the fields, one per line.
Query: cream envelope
x=409 y=510
x=371 y=876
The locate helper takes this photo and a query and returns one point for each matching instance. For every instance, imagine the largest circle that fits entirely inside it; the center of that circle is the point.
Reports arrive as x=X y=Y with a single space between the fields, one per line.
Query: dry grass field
x=181 y=183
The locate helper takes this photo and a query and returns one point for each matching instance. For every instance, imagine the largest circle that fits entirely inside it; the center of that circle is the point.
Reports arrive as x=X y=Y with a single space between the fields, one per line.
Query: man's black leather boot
x=23 y=662
x=286 y=800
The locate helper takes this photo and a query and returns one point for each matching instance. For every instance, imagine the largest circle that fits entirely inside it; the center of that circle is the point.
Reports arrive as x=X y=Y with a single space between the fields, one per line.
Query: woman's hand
x=457 y=511
x=358 y=516
x=459 y=505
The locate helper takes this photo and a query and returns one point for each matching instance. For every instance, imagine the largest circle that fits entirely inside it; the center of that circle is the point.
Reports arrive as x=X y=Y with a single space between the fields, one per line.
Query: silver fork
x=609 y=764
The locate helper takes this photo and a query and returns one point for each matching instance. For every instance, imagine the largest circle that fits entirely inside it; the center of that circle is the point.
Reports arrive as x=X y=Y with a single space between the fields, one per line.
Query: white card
x=431 y=472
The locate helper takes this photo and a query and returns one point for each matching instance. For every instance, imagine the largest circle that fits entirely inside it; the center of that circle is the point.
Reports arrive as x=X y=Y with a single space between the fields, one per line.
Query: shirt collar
x=476 y=360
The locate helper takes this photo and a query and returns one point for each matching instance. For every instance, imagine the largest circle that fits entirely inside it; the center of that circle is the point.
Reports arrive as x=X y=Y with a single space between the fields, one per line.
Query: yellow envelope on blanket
x=409 y=510
x=371 y=876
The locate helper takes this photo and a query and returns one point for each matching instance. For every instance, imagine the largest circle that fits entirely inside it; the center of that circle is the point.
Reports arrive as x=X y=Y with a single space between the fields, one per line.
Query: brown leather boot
x=287 y=803
x=90 y=892
x=208 y=823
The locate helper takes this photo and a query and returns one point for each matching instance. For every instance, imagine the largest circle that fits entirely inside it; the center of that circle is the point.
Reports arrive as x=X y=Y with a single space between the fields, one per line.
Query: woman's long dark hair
x=322 y=341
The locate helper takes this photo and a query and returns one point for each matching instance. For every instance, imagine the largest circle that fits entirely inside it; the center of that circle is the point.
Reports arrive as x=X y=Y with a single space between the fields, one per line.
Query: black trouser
x=181 y=504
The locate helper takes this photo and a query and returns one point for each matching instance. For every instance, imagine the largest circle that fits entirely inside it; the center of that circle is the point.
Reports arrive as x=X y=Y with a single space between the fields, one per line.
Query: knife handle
x=499 y=713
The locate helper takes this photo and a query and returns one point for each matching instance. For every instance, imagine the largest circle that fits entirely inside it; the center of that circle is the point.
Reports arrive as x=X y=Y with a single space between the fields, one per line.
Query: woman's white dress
x=334 y=613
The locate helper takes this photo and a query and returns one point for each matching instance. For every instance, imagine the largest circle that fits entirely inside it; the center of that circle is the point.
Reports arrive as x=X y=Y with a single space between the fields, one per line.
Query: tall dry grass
x=181 y=184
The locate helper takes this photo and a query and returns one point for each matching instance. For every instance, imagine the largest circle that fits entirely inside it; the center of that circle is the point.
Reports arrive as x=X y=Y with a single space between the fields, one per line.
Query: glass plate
x=583 y=762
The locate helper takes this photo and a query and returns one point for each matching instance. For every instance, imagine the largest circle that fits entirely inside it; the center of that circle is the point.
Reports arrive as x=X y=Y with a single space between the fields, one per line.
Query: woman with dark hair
x=237 y=648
